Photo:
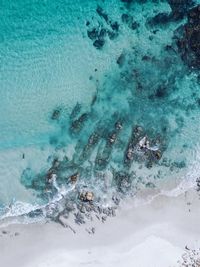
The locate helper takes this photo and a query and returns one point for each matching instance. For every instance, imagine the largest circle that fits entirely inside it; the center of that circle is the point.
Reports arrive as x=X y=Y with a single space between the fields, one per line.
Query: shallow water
x=132 y=74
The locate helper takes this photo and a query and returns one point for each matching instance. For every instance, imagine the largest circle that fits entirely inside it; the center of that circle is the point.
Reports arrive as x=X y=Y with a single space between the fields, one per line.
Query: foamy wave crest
x=17 y=211
x=189 y=180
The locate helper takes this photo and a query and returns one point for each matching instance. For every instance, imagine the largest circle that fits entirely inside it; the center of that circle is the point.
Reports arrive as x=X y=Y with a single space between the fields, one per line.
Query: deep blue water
x=70 y=71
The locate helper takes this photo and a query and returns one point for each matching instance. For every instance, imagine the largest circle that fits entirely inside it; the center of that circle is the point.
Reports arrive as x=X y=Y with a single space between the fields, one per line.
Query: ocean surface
x=81 y=84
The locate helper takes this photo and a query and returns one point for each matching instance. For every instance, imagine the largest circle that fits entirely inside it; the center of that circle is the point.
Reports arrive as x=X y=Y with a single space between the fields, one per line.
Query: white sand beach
x=153 y=235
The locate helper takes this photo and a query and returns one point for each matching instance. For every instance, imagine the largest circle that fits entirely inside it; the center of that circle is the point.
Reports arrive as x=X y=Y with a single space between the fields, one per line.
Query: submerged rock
x=79 y=218
x=112 y=138
x=198 y=183
x=99 y=43
x=93 y=139
x=102 y=13
x=159 y=19
x=121 y=60
x=78 y=124
x=128 y=19
x=56 y=114
x=76 y=110
x=93 y=34
x=73 y=178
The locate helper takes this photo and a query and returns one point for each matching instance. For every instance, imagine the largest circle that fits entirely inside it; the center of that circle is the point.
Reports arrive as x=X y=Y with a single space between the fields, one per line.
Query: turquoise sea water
x=110 y=62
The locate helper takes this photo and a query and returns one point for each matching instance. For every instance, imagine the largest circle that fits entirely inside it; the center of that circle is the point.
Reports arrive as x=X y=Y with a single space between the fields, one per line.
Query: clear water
x=47 y=61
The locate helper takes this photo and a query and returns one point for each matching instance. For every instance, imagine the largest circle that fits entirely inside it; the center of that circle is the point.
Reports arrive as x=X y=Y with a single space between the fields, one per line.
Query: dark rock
x=129 y=153
x=116 y=200
x=159 y=19
x=100 y=163
x=93 y=139
x=93 y=34
x=101 y=13
x=94 y=99
x=115 y=26
x=35 y=213
x=77 y=125
x=112 y=35
x=113 y=212
x=121 y=60
x=179 y=165
x=198 y=101
x=137 y=131
x=149 y=164
x=69 y=207
x=102 y=34
x=146 y=58
x=56 y=114
x=198 y=183
x=63 y=220
x=150 y=185
x=86 y=196
x=99 y=43
x=158 y=154
x=128 y=19
x=79 y=218
x=134 y=25
x=91 y=230
x=103 y=218
x=123 y=181
x=118 y=125
x=73 y=178
x=170 y=48
x=161 y=92
x=100 y=210
x=112 y=138
x=76 y=110
x=55 y=164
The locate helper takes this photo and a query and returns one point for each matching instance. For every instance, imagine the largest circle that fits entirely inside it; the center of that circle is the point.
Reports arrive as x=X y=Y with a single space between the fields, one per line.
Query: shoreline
x=160 y=230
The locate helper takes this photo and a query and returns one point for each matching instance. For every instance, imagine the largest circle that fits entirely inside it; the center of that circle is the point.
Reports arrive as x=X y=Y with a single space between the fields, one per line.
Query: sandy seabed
x=154 y=234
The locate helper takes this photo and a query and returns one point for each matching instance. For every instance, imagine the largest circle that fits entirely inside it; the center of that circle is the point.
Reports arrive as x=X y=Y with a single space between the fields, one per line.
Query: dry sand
x=148 y=235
